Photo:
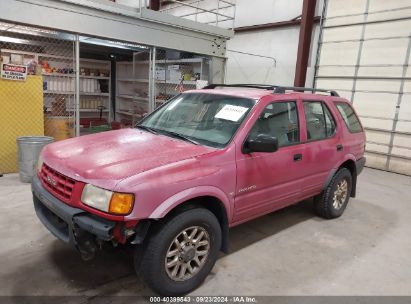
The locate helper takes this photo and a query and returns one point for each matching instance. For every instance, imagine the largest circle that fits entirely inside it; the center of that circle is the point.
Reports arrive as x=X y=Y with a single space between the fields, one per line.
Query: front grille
x=57 y=184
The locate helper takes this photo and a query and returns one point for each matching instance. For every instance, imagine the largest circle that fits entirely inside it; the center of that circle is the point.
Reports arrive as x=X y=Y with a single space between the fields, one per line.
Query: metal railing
x=215 y=12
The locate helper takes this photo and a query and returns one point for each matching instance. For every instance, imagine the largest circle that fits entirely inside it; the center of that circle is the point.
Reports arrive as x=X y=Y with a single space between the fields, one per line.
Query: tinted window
x=320 y=123
x=279 y=119
x=351 y=120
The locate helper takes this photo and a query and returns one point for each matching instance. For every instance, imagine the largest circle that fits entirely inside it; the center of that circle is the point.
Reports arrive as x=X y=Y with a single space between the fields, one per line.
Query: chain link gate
x=41 y=103
x=63 y=96
x=133 y=87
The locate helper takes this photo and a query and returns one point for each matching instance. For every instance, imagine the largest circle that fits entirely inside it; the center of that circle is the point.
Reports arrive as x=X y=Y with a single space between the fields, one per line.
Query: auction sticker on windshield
x=230 y=112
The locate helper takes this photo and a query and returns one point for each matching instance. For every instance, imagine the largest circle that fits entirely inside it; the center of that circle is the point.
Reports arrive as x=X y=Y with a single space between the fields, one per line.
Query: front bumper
x=67 y=222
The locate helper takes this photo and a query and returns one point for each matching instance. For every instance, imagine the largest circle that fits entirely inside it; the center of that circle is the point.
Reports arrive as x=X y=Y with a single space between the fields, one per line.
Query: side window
x=320 y=122
x=351 y=120
x=279 y=119
x=329 y=122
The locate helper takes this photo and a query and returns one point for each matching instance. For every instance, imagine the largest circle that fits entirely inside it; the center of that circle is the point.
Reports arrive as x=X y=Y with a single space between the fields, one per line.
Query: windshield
x=207 y=119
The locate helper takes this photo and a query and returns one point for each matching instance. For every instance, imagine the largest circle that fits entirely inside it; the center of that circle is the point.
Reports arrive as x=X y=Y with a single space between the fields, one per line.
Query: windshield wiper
x=151 y=130
x=180 y=136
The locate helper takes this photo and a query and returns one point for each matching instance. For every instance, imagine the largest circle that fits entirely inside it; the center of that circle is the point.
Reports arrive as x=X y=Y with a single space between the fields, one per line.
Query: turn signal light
x=121 y=203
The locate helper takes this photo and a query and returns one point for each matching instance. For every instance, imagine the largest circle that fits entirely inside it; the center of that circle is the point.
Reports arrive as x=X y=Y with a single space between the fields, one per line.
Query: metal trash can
x=29 y=148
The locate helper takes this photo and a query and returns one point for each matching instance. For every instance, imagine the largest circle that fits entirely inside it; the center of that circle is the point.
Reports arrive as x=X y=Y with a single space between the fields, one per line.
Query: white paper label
x=230 y=112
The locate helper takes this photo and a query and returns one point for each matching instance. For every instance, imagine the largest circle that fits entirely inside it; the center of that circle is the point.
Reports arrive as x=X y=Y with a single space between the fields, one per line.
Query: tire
x=152 y=265
x=327 y=204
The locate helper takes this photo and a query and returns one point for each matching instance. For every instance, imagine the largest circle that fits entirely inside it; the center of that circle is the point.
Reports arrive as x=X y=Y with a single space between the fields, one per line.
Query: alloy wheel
x=187 y=253
x=340 y=194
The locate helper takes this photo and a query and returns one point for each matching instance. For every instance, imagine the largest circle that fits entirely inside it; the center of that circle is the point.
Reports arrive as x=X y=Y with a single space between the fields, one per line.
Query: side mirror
x=261 y=143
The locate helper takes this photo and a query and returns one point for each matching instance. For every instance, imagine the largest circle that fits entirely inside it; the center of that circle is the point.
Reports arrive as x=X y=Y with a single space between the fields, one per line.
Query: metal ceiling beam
x=304 y=43
x=272 y=25
x=155 y=5
x=116 y=22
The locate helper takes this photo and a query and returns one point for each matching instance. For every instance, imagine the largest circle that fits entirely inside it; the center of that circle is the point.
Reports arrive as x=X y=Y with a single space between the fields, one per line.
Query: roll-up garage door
x=364 y=54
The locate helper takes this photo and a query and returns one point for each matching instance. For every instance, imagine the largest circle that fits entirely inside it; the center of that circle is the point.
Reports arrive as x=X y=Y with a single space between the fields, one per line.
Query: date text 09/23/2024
x=204 y=299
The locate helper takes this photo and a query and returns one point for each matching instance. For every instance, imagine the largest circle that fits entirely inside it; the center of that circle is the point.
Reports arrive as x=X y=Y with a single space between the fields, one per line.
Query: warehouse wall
x=281 y=43
x=365 y=55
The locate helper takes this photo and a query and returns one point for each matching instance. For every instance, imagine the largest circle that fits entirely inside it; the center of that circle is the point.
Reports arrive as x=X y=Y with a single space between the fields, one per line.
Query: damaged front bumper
x=72 y=225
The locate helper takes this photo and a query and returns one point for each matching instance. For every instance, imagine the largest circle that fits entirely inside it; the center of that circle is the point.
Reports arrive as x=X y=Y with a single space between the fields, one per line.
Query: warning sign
x=13 y=71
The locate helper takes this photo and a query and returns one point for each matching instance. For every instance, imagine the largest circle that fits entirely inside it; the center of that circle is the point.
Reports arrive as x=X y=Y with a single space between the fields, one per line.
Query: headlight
x=39 y=163
x=107 y=201
x=96 y=197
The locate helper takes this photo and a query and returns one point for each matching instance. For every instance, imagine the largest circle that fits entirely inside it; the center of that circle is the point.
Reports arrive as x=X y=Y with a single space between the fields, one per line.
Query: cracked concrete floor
x=290 y=252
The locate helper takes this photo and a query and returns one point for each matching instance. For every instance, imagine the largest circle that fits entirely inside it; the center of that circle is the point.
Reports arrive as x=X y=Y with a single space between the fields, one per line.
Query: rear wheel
x=182 y=252
x=332 y=202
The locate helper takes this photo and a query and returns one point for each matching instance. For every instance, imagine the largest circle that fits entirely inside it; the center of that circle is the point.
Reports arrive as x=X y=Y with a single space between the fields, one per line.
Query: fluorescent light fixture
x=14 y=40
x=114 y=44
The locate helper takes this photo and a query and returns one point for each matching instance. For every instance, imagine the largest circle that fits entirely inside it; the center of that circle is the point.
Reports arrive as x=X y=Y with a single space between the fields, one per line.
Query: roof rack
x=276 y=89
x=281 y=90
x=250 y=86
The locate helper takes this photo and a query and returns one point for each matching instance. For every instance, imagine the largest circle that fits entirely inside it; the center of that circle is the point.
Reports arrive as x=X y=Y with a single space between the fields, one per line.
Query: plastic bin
x=29 y=148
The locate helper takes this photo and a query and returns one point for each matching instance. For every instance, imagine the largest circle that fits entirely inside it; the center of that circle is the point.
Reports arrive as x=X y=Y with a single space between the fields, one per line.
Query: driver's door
x=269 y=181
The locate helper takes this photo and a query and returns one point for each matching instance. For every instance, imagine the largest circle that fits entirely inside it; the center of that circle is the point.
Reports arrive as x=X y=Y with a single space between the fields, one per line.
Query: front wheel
x=332 y=202
x=182 y=252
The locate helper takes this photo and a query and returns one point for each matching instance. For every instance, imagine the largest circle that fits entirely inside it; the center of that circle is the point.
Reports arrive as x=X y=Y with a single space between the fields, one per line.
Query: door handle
x=298 y=157
x=340 y=147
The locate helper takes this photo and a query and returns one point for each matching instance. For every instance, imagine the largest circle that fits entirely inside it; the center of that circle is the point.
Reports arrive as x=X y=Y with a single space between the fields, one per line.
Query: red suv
x=205 y=161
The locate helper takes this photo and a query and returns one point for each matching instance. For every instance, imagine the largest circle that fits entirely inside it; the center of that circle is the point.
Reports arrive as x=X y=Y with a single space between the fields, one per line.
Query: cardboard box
x=160 y=74
x=173 y=67
x=174 y=75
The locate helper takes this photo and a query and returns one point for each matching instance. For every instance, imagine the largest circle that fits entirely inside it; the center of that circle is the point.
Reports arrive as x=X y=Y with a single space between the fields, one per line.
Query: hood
x=105 y=158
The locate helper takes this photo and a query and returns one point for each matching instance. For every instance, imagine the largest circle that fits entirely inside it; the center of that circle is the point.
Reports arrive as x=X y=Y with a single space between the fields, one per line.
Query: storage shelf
x=128 y=113
x=166 y=82
x=166 y=61
x=133 y=97
x=89 y=110
x=72 y=93
x=174 y=61
x=132 y=80
x=175 y=82
x=126 y=96
x=72 y=76
x=68 y=61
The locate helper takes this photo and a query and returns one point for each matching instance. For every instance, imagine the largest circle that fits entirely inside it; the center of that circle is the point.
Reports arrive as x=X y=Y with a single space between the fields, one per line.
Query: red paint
x=118 y=233
x=163 y=172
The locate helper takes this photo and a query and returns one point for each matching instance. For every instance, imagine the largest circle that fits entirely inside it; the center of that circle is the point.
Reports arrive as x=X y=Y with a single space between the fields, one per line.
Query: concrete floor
x=290 y=252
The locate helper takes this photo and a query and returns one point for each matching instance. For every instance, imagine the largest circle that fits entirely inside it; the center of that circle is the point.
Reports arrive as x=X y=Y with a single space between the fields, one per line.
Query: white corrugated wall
x=364 y=54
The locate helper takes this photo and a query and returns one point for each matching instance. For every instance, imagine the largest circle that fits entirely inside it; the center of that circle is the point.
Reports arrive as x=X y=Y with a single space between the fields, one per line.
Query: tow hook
x=85 y=244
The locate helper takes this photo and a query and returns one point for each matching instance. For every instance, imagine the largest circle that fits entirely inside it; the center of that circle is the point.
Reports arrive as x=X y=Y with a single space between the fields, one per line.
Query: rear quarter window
x=350 y=118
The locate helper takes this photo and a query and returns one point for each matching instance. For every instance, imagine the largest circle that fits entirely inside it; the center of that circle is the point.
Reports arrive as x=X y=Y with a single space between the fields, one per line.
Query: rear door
x=324 y=148
x=269 y=181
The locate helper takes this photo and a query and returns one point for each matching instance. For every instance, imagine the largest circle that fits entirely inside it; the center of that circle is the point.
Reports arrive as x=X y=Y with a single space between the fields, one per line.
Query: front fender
x=169 y=204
